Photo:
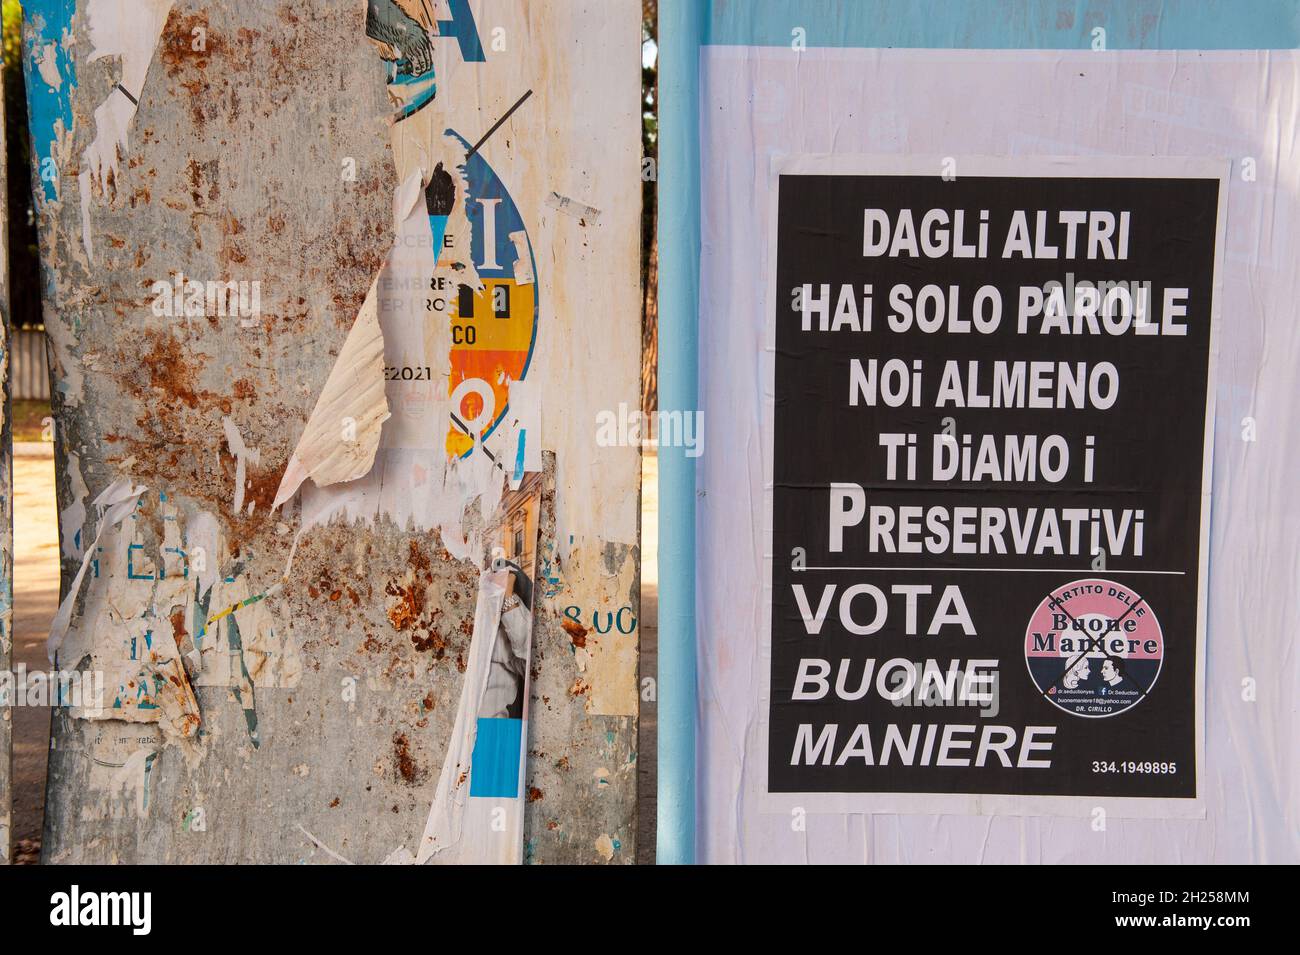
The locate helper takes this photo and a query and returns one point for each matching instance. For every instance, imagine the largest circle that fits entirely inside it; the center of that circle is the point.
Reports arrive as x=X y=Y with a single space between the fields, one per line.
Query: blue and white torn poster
x=809 y=105
x=478 y=807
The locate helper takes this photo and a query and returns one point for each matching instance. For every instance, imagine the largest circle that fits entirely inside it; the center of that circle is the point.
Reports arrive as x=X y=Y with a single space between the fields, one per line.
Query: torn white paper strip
x=444 y=829
x=342 y=433
x=129 y=29
x=114 y=505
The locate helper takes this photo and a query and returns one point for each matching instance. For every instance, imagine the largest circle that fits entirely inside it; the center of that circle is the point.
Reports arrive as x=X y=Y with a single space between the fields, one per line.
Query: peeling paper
x=406 y=476
x=523 y=431
x=157 y=591
x=523 y=258
x=243 y=457
x=121 y=758
x=47 y=65
x=51 y=77
x=72 y=519
x=265 y=654
x=114 y=505
x=129 y=29
x=342 y=434
x=449 y=834
x=587 y=215
x=125 y=628
x=607 y=658
x=414 y=479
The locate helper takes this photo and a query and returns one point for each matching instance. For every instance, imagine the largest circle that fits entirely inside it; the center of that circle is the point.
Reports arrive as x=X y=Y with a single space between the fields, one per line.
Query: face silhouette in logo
x=1077 y=674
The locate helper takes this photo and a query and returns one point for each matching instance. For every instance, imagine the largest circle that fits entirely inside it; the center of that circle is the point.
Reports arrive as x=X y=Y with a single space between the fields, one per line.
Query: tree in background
x=649 y=192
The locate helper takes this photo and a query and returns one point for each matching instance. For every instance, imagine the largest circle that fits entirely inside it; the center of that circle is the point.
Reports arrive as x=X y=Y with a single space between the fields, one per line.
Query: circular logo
x=1094 y=647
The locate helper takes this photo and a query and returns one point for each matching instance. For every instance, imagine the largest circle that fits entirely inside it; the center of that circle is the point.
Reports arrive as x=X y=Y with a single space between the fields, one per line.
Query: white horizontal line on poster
x=1009 y=570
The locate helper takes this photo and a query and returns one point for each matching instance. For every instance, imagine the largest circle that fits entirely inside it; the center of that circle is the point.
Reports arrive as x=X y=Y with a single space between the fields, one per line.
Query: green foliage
x=13 y=32
x=24 y=294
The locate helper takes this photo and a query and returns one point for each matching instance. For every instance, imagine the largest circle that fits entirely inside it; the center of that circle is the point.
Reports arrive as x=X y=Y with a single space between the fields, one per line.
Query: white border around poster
x=964 y=803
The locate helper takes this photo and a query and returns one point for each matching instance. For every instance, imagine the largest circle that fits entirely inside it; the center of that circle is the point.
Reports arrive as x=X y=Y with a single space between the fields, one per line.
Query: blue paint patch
x=494 y=767
x=438 y=226
x=462 y=27
x=1008 y=24
x=519 y=456
x=48 y=109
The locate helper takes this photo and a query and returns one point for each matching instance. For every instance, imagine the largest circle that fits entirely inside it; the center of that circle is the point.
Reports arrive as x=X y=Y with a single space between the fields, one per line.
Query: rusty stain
x=576 y=631
x=176 y=47
x=411 y=773
x=178 y=624
x=199 y=174
x=433 y=641
x=244 y=390
x=410 y=604
x=171 y=371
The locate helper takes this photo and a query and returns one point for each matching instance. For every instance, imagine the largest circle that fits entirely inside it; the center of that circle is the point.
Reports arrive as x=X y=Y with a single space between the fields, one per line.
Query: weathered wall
x=312 y=720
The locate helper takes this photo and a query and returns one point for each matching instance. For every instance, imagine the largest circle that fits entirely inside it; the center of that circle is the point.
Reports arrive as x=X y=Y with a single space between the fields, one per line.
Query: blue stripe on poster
x=1010 y=24
x=494 y=767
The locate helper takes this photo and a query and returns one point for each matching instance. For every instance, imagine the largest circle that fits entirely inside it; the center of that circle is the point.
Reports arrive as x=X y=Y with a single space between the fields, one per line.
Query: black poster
x=990 y=482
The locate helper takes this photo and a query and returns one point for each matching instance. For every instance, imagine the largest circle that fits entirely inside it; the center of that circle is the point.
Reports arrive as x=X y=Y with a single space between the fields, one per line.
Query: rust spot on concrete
x=204 y=186
x=176 y=47
x=407 y=768
x=433 y=640
x=171 y=371
x=410 y=604
x=244 y=390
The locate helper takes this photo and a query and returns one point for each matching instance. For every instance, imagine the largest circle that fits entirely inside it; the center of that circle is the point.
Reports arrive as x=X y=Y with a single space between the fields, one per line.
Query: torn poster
x=159 y=618
x=477 y=812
